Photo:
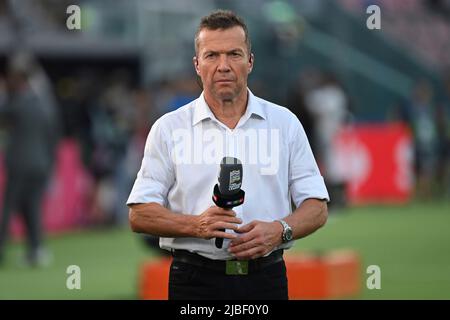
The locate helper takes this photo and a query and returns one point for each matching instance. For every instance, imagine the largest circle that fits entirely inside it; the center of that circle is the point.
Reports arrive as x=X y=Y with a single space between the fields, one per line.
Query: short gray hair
x=222 y=19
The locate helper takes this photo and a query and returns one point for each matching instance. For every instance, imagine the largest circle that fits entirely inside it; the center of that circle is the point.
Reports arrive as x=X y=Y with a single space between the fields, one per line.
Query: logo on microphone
x=235 y=180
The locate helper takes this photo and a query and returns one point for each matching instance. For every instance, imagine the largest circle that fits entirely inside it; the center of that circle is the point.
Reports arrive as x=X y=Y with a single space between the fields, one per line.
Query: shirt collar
x=202 y=110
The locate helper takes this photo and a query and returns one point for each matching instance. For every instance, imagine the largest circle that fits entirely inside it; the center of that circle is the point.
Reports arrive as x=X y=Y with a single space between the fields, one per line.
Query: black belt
x=220 y=265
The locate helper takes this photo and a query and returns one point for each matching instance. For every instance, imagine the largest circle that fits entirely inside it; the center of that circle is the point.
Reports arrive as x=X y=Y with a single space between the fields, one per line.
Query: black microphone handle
x=219 y=241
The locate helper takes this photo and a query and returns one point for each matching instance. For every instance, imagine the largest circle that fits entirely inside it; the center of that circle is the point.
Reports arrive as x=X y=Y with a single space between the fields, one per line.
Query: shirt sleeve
x=305 y=180
x=155 y=176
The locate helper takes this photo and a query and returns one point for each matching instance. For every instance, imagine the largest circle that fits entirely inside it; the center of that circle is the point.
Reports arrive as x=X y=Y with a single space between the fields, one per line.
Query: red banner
x=378 y=162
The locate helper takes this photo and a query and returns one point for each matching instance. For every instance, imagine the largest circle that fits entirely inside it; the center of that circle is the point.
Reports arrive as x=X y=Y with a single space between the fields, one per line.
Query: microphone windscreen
x=230 y=176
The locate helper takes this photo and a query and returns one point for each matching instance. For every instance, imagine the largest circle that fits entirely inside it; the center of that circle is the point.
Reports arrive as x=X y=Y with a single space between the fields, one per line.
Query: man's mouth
x=224 y=80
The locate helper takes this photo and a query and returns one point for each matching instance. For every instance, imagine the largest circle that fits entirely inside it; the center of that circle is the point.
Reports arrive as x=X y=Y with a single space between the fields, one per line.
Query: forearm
x=310 y=216
x=152 y=218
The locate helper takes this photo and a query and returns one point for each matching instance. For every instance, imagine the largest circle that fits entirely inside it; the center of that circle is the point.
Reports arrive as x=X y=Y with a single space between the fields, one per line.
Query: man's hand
x=257 y=239
x=212 y=220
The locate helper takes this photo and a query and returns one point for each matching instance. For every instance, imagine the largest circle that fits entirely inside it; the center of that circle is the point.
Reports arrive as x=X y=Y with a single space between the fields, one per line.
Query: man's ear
x=251 y=61
x=195 y=61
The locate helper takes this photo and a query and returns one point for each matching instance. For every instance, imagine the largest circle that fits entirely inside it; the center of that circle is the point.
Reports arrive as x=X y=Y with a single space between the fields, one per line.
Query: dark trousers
x=191 y=282
x=24 y=193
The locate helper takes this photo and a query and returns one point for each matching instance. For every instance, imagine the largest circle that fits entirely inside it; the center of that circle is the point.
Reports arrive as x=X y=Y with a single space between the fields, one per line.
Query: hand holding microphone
x=228 y=194
x=213 y=221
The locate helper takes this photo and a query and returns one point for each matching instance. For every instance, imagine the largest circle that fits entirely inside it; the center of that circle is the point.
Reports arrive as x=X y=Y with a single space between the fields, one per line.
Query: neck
x=228 y=111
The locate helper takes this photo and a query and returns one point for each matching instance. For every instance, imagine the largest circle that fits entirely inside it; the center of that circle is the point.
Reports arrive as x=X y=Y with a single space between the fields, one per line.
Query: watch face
x=288 y=234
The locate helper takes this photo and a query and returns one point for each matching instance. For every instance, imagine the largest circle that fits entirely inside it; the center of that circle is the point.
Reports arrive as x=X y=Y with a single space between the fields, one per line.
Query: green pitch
x=411 y=245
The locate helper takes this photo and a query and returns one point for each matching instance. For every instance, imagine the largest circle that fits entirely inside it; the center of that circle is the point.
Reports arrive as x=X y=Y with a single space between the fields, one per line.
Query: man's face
x=223 y=62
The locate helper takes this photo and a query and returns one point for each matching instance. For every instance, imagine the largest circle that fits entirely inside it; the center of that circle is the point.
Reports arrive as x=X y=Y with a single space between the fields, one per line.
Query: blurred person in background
x=328 y=105
x=296 y=101
x=144 y=113
x=3 y=92
x=443 y=130
x=77 y=95
x=419 y=113
x=33 y=130
x=443 y=150
x=112 y=119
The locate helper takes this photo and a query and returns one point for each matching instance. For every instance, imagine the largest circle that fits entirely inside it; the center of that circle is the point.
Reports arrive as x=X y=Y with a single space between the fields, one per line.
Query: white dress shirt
x=182 y=160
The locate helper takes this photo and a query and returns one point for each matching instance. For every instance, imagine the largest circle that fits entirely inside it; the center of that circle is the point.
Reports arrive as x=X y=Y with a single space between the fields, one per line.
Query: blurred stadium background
x=383 y=97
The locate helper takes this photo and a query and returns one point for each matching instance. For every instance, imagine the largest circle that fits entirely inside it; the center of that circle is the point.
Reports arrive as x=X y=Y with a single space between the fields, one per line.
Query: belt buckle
x=237 y=267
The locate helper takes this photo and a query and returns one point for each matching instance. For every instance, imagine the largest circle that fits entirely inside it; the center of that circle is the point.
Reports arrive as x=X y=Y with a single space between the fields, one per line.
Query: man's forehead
x=220 y=39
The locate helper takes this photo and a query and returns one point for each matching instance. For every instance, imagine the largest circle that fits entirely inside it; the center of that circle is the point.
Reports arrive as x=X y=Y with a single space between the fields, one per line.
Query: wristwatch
x=287 y=231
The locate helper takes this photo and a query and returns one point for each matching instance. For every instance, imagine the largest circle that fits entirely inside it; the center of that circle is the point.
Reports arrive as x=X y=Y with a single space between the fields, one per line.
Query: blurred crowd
x=110 y=116
x=325 y=108
x=106 y=113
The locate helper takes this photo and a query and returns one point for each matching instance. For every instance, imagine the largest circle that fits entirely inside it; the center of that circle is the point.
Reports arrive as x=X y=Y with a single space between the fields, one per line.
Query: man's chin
x=226 y=95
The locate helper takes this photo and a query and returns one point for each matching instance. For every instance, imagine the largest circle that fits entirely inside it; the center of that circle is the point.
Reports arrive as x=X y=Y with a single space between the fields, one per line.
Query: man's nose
x=224 y=66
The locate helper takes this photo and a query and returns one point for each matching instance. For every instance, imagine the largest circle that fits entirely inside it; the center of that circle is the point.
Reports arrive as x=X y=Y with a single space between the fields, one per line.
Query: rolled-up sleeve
x=155 y=176
x=305 y=180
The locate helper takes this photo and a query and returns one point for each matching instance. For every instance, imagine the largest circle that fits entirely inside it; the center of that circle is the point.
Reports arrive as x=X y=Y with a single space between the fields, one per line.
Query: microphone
x=227 y=193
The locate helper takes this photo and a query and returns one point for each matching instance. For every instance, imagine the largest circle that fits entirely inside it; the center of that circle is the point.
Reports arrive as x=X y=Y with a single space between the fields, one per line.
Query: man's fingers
x=244 y=237
x=214 y=222
x=232 y=220
x=246 y=228
x=224 y=212
x=249 y=249
x=240 y=239
x=224 y=225
x=251 y=253
x=222 y=234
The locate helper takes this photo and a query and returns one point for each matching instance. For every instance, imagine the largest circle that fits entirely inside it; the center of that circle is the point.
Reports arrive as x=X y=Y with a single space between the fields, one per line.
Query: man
x=328 y=104
x=172 y=194
x=31 y=117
